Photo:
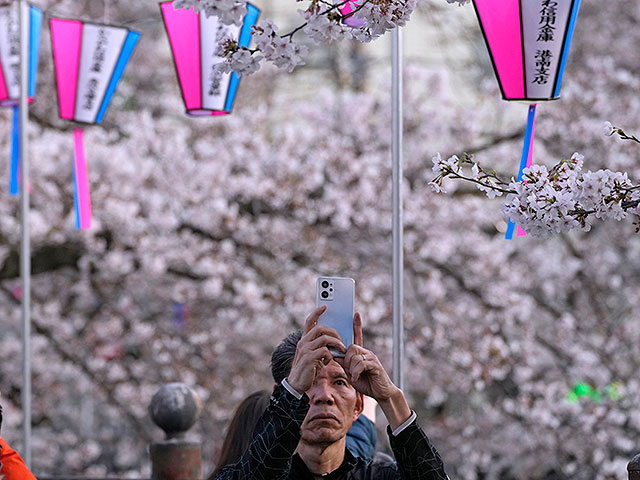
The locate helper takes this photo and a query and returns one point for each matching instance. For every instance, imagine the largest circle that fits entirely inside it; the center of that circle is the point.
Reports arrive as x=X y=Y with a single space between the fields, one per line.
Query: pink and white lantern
x=10 y=72
x=89 y=61
x=194 y=39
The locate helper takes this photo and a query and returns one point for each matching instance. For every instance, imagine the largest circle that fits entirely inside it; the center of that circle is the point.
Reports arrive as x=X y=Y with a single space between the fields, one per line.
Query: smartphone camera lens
x=324 y=294
x=325 y=284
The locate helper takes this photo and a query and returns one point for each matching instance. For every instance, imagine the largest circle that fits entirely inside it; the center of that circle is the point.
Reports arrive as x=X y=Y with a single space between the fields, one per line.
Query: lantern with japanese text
x=194 y=39
x=528 y=41
x=10 y=72
x=89 y=61
x=348 y=10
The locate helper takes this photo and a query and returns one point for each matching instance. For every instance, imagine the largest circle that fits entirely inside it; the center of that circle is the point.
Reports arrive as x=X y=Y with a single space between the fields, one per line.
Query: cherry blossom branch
x=609 y=130
x=556 y=200
x=372 y=18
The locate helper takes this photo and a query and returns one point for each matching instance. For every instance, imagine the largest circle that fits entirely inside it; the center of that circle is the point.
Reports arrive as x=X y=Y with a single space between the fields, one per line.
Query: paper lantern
x=194 y=40
x=348 y=11
x=10 y=72
x=528 y=41
x=89 y=60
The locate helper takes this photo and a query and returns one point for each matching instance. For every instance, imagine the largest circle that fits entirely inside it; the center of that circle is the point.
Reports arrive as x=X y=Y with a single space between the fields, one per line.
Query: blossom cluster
x=281 y=51
x=563 y=198
x=230 y=12
x=323 y=23
x=556 y=200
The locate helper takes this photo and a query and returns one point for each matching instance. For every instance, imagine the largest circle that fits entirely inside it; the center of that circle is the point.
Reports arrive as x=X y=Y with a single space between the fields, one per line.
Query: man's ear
x=359 y=407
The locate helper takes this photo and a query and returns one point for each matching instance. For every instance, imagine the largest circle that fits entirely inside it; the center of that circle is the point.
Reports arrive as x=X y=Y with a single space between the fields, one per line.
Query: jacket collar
x=299 y=469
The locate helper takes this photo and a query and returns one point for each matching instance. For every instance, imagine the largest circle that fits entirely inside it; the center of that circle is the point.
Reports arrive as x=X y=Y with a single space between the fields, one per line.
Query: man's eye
x=341 y=382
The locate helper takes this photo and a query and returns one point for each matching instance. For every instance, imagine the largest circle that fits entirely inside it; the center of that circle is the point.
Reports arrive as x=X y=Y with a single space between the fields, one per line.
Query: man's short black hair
x=282 y=357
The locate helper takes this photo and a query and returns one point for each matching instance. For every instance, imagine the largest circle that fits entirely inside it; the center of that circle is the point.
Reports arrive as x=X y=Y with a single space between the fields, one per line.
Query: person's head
x=282 y=357
x=333 y=402
x=333 y=407
x=241 y=427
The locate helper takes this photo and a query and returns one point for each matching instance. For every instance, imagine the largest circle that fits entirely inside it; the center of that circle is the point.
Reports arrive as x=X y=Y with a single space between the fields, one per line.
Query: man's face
x=333 y=406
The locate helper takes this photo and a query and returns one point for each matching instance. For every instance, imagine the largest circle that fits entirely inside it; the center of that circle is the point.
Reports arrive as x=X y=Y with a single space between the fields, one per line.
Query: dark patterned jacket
x=271 y=456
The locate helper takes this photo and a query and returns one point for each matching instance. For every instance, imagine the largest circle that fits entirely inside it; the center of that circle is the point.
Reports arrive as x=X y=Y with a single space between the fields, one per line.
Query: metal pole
x=396 y=203
x=25 y=246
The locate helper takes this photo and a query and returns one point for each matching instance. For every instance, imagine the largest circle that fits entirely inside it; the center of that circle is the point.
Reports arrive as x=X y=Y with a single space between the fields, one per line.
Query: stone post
x=634 y=468
x=174 y=408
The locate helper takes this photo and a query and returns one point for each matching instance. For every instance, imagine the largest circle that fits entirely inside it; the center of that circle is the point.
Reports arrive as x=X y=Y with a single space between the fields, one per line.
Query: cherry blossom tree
x=208 y=236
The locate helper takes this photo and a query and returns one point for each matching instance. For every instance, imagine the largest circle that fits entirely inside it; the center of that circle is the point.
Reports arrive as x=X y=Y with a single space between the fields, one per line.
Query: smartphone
x=338 y=294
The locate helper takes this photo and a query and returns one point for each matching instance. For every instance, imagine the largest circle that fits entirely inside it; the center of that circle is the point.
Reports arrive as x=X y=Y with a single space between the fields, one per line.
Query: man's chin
x=322 y=436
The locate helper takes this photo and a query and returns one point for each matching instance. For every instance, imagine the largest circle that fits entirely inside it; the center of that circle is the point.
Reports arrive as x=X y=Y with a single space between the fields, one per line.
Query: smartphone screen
x=338 y=294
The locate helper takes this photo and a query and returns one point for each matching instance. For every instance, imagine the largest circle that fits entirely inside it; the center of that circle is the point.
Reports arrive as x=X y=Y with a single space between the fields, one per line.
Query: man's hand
x=312 y=352
x=365 y=371
x=368 y=376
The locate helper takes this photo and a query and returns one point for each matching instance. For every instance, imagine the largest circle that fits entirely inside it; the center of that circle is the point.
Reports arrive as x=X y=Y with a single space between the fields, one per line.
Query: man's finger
x=357 y=370
x=352 y=351
x=327 y=341
x=357 y=329
x=320 y=330
x=312 y=319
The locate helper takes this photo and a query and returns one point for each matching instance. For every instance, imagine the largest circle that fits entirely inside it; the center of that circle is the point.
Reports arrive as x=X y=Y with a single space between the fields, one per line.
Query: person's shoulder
x=13 y=467
x=380 y=468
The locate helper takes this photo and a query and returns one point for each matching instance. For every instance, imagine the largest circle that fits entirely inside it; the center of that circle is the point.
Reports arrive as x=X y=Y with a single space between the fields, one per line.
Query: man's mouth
x=323 y=417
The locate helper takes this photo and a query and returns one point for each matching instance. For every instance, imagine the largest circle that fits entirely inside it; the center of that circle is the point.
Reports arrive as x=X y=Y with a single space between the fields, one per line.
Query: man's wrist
x=293 y=391
x=395 y=409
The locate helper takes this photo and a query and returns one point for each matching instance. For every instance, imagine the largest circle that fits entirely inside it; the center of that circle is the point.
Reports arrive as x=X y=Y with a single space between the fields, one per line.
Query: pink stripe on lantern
x=66 y=39
x=4 y=94
x=82 y=180
x=183 y=29
x=501 y=23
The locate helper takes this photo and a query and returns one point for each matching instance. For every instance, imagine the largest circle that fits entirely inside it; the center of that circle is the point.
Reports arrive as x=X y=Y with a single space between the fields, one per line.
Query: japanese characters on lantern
x=528 y=41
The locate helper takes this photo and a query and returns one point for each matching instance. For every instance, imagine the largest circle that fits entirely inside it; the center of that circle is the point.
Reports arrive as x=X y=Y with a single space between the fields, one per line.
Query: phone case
x=338 y=294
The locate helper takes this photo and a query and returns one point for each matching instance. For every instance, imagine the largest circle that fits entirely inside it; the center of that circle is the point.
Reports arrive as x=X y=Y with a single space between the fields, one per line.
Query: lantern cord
x=14 y=188
x=525 y=162
x=81 y=182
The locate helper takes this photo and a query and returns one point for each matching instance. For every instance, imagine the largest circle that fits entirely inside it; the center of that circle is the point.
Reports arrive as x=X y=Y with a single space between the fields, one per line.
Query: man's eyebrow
x=339 y=375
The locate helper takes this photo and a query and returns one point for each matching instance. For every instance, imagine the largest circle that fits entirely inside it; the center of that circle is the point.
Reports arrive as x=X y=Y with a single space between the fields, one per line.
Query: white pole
x=396 y=203
x=25 y=246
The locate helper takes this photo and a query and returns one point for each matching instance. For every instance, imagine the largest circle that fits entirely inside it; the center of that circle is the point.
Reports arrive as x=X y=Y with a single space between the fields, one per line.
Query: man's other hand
x=368 y=376
x=312 y=352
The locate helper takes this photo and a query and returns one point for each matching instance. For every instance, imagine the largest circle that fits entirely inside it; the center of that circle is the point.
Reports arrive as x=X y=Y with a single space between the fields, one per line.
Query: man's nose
x=321 y=393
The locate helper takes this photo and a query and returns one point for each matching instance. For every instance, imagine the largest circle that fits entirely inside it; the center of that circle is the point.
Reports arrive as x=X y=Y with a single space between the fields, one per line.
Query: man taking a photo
x=302 y=433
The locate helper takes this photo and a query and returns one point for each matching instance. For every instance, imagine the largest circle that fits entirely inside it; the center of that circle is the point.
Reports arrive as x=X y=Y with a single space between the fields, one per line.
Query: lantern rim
x=13 y=102
x=530 y=101
x=204 y=112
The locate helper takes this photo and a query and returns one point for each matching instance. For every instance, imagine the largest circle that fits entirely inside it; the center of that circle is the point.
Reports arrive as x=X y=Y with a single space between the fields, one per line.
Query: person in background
x=240 y=429
x=12 y=467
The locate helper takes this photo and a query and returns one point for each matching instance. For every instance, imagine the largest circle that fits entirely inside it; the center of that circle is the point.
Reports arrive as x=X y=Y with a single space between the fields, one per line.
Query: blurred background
x=209 y=233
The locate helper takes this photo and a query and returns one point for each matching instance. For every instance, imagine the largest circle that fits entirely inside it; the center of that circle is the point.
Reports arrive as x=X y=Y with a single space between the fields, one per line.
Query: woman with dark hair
x=240 y=430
